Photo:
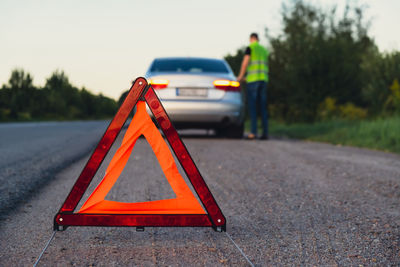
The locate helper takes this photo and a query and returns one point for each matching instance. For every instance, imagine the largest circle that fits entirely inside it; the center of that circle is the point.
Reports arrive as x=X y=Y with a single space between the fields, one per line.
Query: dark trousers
x=257 y=96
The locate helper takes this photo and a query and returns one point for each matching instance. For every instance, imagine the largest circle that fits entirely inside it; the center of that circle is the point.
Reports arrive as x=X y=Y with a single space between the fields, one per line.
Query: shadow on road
x=198 y=134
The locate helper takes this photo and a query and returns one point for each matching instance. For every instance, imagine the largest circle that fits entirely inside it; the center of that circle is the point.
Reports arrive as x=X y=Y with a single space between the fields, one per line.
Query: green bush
x=24 y=116
x=349 y=111
x=4 y=114
x=329 y=110
x=381 y=73
x=392 y=104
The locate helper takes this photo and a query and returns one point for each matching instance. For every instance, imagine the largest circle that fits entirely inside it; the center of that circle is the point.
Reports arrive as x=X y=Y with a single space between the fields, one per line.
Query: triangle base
x=63 y=220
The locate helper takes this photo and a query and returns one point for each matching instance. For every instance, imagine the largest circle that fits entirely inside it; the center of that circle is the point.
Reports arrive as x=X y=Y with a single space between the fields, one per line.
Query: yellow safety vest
x=257 y=70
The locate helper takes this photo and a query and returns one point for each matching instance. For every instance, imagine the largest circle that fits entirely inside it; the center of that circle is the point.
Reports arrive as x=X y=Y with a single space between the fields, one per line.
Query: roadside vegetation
x=328 y=81
x=381 y=134
x=58 y=99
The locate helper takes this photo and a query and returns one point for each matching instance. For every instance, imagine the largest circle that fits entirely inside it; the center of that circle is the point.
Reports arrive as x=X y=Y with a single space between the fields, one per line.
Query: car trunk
x=190 y=87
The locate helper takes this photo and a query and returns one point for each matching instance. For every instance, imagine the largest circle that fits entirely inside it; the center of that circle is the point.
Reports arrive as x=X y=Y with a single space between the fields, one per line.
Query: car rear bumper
x=203 y=113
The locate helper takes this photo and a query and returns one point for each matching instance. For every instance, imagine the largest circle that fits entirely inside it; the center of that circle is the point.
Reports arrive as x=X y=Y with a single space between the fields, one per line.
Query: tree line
x=324 y=66
x=20 y=100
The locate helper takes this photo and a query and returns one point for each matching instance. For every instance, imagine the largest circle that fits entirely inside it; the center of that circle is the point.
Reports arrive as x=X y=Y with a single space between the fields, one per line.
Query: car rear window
x=189 y=65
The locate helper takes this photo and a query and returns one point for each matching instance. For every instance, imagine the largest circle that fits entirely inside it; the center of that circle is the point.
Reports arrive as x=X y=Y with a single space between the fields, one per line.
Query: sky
x=104 y=45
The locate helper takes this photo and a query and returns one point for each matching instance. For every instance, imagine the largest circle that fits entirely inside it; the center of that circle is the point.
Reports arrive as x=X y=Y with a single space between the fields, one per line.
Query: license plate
x=191 y=92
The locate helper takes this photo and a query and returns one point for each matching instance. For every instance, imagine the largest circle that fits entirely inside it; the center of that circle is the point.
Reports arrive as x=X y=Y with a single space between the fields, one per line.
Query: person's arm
x=245 y=63
x=243 y=68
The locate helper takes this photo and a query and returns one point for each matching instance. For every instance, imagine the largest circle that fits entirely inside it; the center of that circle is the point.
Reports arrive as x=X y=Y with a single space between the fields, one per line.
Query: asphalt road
x=286 y=203
x=32 y=153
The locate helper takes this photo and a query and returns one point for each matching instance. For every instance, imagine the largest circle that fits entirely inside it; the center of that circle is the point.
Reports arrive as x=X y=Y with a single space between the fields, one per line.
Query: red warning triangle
x=184 y=210
x=184 y=203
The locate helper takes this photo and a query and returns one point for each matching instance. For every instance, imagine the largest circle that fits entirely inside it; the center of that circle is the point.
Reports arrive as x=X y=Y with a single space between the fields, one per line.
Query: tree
x=19 y=91
x=380 y=72
x=63 y=98
x=316 y=56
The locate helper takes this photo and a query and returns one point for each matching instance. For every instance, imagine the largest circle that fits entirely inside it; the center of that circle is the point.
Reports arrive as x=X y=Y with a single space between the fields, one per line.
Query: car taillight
x=159 y=83
x=227 y=85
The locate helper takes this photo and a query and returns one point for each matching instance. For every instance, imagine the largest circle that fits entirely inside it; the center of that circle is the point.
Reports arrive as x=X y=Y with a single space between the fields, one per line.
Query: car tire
x=232 y=131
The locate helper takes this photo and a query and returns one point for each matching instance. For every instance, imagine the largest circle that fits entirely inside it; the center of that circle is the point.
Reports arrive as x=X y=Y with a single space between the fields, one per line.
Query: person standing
x=255 y=62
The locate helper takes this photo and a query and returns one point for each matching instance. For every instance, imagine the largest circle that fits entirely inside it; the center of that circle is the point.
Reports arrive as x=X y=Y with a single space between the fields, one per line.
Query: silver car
x=199 y=93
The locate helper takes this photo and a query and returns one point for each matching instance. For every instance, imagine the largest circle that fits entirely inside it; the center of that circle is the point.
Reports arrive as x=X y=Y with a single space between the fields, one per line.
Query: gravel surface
x=286 y=203
x=31 y=154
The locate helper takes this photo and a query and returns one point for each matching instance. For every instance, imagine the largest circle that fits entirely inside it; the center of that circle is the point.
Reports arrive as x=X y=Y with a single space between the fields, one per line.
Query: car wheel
x=232 y=131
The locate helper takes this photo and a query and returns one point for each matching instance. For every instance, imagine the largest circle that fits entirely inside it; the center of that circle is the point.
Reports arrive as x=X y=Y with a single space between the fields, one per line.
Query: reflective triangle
x=184 y=203
x=184 y=210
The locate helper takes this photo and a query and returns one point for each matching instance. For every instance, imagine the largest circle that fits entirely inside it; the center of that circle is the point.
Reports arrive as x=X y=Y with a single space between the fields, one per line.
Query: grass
x=380 y=134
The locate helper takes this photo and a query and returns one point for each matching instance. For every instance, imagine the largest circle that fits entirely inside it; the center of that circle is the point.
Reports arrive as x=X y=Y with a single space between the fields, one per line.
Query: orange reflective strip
x=184 y=203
